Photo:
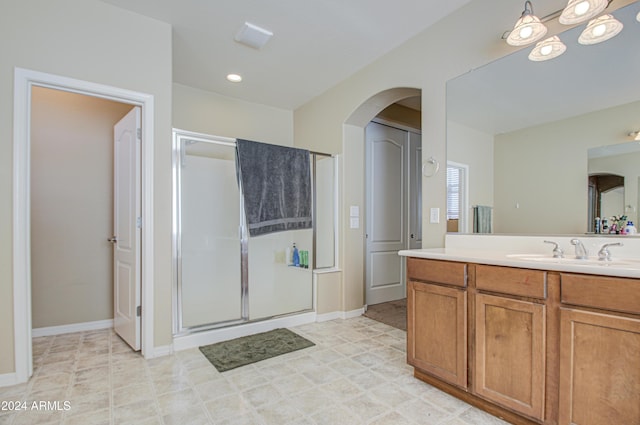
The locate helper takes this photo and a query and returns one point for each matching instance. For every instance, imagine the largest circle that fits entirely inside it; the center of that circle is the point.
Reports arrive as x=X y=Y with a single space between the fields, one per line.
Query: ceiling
x=514 y=93
x=316 y=43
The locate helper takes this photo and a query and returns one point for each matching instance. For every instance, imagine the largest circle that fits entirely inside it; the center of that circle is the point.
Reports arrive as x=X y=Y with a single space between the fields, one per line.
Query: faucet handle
x=604 y=254
x=557 y=251
x=581 y=251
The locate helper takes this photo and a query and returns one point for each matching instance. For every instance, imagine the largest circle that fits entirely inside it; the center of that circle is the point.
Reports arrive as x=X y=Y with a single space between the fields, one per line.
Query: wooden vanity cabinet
x=437 y=317
x=599 y=350
x=541 y=347
x=510 y=341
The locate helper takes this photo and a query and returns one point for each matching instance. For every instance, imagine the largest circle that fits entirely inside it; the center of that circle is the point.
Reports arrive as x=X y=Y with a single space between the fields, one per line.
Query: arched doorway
x=354 y=236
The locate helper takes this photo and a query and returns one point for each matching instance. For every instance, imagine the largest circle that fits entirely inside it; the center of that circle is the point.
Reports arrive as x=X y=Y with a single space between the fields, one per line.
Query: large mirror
x=531 y=133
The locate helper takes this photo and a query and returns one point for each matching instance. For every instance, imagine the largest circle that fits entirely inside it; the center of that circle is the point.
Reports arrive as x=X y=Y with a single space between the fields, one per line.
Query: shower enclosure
x=223 y=277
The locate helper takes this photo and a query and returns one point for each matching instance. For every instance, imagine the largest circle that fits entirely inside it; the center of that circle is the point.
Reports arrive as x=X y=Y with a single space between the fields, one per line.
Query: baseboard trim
x=164 y=350
x=8 y=379
x=74 y=327
x=339 y=315
x=354 y=313
x=184 y=342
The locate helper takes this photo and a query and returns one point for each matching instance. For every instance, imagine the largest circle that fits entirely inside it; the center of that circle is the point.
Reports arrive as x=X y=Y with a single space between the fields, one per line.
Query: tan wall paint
x=71 y=207
x=217 y=115
x=475 y=149
x=554 y=155
x=92 y=41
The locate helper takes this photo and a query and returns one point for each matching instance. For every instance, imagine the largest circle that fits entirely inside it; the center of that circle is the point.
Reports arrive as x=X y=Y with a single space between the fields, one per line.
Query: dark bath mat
x=392 y=313
x=242 y=351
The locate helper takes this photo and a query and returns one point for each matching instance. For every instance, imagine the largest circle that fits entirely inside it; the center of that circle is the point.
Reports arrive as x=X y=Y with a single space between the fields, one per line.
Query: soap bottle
x=296 y=256
x=630 y=228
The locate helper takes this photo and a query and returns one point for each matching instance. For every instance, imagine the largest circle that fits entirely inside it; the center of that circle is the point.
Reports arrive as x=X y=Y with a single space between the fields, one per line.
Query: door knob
x=412 y=236
x=113 y=239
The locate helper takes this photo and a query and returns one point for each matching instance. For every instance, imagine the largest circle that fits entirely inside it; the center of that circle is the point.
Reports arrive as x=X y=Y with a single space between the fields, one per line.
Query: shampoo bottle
x=296 y=256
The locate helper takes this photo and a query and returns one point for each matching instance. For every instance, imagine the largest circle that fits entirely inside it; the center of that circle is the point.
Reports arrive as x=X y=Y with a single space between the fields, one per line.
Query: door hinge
x=139 y=311
x=139 y=133
x=139 y=222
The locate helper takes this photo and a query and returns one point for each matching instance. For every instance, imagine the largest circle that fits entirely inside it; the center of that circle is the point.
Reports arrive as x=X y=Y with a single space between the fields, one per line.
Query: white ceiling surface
x=316 y=43
x=514 y=93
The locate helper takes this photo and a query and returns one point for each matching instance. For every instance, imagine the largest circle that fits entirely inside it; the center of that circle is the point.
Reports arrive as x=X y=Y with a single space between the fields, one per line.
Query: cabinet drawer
x=609 y=293
x=447 y=272
x=507 y=280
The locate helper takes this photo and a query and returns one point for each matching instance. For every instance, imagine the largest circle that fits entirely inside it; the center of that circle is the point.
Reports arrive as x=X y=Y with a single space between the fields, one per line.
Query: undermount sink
x=592 y=261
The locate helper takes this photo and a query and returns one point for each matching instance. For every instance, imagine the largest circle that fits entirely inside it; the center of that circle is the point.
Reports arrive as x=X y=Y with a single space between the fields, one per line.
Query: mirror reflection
x=530 y=135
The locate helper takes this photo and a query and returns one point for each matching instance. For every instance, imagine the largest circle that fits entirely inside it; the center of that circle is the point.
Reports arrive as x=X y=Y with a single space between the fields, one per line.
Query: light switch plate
x=435 y=215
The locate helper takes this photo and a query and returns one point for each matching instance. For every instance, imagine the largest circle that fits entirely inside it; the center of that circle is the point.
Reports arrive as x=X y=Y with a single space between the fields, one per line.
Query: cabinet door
x=510 y=353
x=599 y=368
x=437 y=331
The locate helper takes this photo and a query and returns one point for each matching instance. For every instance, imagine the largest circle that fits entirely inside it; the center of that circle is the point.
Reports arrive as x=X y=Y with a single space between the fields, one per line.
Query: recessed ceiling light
x=234 y=78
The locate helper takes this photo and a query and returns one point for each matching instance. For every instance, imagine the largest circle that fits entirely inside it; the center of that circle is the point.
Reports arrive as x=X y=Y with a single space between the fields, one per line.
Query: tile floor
x=356 y=374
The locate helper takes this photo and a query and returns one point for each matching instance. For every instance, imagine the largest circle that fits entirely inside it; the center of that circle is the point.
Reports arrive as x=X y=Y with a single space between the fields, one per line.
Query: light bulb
x=234 y=78
x=544 y=51
x=582 y=8
x=525 y=32
x=599 y=30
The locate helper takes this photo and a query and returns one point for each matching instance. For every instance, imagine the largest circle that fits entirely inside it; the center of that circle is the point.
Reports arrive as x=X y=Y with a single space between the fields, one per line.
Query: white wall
x=544 y=170
x=92 y=41
x=475 y=149
x=217 y=115
x=71 y=207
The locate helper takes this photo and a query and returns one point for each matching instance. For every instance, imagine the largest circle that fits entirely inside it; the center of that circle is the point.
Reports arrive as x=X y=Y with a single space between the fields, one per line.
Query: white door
x=386 y=212
x=127 y=229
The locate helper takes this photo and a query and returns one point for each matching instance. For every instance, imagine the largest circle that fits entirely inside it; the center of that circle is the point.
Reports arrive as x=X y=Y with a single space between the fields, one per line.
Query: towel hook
x=430 y=167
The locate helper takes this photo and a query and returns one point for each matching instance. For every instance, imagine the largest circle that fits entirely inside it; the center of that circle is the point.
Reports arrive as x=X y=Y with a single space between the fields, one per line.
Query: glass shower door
x=209 y=262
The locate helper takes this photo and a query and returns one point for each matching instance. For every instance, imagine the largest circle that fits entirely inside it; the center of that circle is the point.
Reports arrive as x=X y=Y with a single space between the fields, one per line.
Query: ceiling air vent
x=253 y=36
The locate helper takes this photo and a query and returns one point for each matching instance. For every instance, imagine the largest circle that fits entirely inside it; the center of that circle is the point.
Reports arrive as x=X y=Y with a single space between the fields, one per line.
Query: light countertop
x=620 y=267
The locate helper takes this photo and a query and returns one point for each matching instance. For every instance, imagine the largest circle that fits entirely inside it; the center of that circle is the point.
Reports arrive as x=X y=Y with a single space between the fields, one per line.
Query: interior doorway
x=25 y=82
x=393 y=210
x=72 y=210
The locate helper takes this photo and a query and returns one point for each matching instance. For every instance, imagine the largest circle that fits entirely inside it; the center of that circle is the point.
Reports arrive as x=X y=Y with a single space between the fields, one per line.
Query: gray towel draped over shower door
x=276 y=183
x=482 y=219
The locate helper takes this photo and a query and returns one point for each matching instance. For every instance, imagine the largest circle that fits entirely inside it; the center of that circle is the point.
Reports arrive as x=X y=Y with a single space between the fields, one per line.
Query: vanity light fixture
x=234 y=78
x=527 y=29
x=635 y=135
x=638 y=17
x=547 y=49
x=578 y=11
x=600 y=29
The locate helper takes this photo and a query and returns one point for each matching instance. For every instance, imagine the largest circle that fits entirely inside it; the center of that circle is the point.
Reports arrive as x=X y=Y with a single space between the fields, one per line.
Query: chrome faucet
x=581 y=251
x=557 y=251
x=604 y=254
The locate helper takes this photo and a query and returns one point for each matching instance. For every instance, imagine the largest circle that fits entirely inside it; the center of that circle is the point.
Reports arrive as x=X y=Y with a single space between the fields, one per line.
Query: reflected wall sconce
x=527 y=29
x=635 y=135
x=578 y=11
x=600 y=29
x=547 y=49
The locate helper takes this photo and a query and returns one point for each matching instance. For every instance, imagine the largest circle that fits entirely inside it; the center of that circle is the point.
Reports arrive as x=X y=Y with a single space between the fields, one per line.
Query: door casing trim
x=24 y=80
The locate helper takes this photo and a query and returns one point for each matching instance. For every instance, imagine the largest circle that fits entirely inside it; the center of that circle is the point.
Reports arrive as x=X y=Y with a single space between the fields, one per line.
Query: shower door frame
x=178 y=154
